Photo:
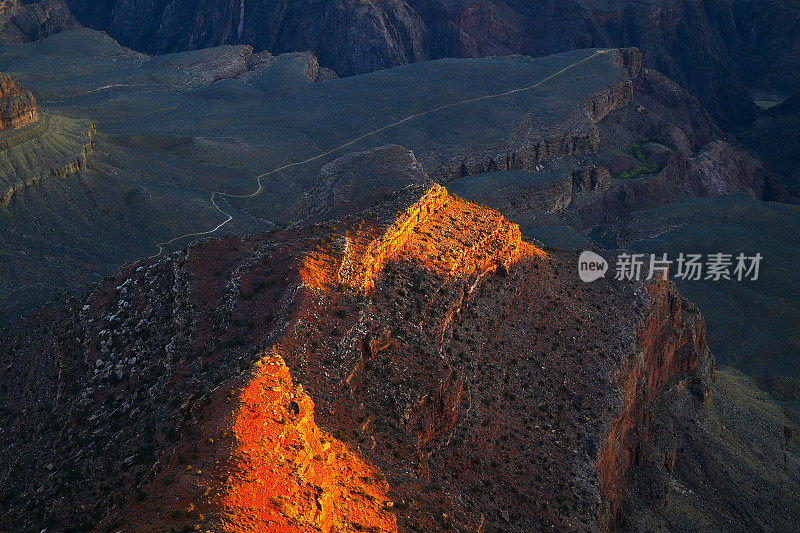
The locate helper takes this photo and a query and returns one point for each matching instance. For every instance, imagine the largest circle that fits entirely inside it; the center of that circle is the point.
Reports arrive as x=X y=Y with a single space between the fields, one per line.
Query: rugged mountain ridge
x=440 y=351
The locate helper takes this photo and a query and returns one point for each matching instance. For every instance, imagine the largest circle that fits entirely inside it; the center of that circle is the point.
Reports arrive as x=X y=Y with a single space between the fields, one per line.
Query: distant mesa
x=17 y=105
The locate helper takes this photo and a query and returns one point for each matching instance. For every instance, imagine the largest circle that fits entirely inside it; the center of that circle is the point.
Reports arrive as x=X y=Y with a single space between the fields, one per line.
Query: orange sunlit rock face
x=285 y=475
x=360 y=268
x=17 y=105
x=445 y=234
x=282 y=473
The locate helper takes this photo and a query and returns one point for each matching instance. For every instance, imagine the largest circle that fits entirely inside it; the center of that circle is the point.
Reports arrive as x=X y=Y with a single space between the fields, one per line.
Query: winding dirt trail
x=366 y=135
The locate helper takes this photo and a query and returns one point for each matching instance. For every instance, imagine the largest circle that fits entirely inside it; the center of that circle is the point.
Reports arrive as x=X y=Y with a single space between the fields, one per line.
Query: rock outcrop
x=717 y=170
x=52 y=147
x=17 y=105
x=266 y=466
x=207 y=66
x=359 y=270
x=453 y=375
x=311 y=479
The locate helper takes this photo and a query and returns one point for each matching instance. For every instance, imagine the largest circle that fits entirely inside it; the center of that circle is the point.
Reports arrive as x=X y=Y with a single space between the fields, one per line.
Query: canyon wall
x=26 y=22
x=716 y=49
x=672 y=351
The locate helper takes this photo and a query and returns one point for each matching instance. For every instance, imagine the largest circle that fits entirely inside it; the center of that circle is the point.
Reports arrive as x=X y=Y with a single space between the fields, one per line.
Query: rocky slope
x=17 y=105
x=716 y=48
x=415 y=366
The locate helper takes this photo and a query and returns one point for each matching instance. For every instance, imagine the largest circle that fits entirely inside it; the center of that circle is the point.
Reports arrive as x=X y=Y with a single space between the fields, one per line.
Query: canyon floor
x=170 y=131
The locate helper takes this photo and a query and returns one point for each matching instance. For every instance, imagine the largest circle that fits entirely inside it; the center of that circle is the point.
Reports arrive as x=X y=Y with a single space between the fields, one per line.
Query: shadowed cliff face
x=415 y=365
x=23 y=23
x=354 y=37
x=775 y=136
x=673 y=347
x=714 y=48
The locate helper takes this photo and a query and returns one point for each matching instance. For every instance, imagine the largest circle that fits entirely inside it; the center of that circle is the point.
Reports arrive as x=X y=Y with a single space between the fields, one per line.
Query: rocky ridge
x=465 y=366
